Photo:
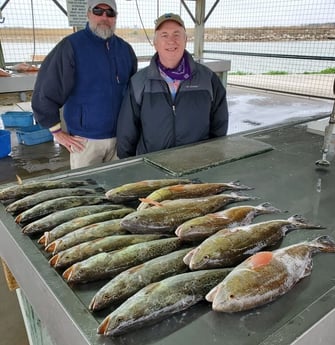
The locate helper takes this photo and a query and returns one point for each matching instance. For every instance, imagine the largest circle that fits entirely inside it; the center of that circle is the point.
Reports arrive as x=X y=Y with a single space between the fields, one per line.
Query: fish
x=159 y=300
x=86 y=233
x=191 y=190
x=87 y=249
x=199 y=228
x=267 y=275
x=50 y=206
x=229 y=247
x=171 y=213
x=36 y=198
x=107 y=265
x=52 y=220
x=79 y=222
x=133 y=191
x=19 y=191
x=128 y=282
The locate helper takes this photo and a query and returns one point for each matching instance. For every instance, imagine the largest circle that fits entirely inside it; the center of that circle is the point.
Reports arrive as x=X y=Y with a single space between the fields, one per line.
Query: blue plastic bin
x=33 y=135
x=17 y=119
x=5 y=143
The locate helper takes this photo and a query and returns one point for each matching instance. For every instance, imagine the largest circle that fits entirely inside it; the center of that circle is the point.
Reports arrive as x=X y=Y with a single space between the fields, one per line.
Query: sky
x=132 y=13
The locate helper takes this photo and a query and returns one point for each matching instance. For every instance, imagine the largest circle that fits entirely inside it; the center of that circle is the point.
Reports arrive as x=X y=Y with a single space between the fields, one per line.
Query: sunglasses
x=97 y=11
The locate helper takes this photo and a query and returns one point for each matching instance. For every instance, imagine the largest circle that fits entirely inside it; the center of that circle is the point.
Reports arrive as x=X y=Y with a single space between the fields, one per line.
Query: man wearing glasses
x=172 y=102
x=87 y=74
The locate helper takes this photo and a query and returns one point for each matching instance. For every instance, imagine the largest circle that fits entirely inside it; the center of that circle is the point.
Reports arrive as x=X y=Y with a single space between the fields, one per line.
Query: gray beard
x=102 y=31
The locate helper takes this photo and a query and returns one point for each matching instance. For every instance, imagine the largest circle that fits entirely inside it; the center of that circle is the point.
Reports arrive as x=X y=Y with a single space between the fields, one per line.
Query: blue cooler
x=5 y=143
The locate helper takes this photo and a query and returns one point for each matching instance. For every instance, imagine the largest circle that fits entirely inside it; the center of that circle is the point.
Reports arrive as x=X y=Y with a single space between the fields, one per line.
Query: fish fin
x=99 y=190
x=19 y=180
x=187 y=258
x=260 y=259
x=91 y=181
x=150 y=202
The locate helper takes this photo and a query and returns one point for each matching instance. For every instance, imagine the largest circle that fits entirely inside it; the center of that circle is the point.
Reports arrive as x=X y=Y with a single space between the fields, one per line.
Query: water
x=20 y=52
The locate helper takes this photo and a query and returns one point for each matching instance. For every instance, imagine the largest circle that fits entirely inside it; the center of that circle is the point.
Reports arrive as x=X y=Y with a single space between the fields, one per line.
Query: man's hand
x=71 y=143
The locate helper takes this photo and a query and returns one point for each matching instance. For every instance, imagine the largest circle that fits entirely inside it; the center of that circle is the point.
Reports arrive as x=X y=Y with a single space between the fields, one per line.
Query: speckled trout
x=140 y=189
x=36 y=198
x=159 y=300
x=229 y=247
x=54 y=219
x=128 y=282
x=87 y=249
x=86 y=233
x=27 y=188
x=107 y=265
x=78 y=222
x=265 y=276
x=199 y=228
x=167 y=217
x=50 y=206
x=191 y=190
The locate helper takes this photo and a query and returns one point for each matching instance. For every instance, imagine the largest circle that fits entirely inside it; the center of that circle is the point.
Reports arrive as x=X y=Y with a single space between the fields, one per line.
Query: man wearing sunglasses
x=86 y=74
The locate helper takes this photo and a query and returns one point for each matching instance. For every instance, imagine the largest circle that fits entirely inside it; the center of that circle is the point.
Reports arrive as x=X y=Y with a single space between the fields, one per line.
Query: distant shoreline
x=266 y=34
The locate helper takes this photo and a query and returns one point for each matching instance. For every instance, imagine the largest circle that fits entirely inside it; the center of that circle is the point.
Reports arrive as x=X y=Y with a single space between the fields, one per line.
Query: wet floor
x=249 y=110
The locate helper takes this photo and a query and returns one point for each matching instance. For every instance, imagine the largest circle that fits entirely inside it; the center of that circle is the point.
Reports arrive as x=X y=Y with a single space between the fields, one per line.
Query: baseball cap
x=168 y=16
x=110 y=3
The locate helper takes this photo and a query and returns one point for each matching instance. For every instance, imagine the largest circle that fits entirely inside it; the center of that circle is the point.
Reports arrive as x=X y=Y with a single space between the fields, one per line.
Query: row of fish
x=178 y=247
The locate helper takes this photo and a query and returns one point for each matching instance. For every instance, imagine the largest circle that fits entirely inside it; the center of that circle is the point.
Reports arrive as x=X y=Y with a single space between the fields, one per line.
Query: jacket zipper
x=117 y=75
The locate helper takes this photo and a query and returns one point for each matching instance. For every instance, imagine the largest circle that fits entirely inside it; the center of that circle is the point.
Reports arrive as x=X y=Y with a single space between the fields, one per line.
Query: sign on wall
x=76 y=11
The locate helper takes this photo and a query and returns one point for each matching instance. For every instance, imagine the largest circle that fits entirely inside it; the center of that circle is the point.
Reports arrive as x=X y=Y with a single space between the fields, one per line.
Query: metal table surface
x=280 y=164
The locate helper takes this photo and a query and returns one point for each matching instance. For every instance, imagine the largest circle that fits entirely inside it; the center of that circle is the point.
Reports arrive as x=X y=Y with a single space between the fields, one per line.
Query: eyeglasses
x=97 y=11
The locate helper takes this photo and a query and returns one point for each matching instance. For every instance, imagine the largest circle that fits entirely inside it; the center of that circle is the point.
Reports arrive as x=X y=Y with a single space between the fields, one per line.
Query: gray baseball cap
x=168 y=16
x=110 y=3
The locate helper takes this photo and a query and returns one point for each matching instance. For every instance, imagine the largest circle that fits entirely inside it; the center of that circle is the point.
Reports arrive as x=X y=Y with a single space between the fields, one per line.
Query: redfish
x=140 y=189
x=191 y=190
x=159 y=300
x=265 y=276
x=199 y=228
x=229 y=247
x=167 y=217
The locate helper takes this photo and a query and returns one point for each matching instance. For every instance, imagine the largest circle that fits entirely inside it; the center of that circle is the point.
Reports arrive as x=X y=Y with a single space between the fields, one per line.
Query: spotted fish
x=265 y=276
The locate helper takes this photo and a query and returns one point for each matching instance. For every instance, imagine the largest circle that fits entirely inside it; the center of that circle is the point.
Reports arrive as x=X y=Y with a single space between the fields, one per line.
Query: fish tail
x=268 y=208
x=103 y=327
x=301 y=222
x=324 y=244
x=238 y=185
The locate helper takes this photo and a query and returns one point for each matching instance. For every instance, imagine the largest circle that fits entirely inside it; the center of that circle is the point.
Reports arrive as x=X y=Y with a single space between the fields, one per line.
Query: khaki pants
x=97 y=151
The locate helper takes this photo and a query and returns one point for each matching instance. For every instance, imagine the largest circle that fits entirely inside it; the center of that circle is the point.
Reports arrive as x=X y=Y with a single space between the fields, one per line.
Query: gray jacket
x=150 y=120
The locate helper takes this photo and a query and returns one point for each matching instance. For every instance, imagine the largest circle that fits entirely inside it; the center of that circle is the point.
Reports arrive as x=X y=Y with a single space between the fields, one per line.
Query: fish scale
x=230 y=246
x=166 y=218
x=265 y=276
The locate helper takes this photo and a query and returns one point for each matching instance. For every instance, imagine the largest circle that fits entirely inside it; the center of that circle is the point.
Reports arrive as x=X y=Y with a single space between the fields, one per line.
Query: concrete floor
x=249 y=111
